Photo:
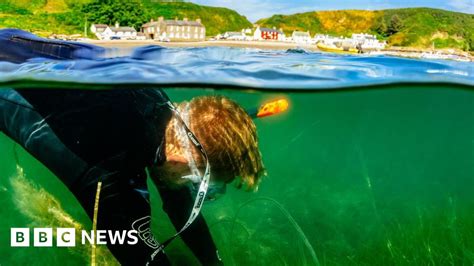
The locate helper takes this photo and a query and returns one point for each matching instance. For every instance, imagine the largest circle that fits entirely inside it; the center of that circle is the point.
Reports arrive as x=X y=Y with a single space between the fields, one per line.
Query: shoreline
x=406 y=52
x=268 y=45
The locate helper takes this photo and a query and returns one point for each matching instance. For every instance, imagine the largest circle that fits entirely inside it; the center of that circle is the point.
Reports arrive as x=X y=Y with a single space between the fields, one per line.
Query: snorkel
x=270 y=108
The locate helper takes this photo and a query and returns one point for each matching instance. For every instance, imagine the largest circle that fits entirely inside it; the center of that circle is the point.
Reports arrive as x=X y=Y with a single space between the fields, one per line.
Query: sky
x=257 y=9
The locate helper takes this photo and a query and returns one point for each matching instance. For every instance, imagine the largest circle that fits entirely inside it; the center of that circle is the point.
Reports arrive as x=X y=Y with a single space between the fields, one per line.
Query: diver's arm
x=18 y=46
x=177 y=203
x=20 y=121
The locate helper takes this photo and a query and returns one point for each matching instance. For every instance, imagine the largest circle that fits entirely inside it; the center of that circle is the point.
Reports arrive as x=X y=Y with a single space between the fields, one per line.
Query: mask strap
x=201 y=195
x=185 y=143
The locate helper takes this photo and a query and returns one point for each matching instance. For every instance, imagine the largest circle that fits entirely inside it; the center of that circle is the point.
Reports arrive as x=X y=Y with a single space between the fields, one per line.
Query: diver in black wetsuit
x=84 y=136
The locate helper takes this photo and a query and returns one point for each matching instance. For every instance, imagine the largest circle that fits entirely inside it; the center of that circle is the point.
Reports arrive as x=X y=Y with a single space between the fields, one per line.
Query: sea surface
x=372 y=164
x=250 y=68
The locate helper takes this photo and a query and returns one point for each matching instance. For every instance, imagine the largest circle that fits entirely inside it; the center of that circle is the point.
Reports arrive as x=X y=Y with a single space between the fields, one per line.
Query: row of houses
x=193 y=30
x=161 y=29
x=260 y=34
x=363 y=40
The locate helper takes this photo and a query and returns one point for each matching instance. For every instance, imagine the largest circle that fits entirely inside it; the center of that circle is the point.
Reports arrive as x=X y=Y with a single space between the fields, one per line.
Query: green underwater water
x=378 y=176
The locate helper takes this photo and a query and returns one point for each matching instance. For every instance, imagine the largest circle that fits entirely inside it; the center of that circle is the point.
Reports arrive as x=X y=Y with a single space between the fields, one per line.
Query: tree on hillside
x=469 y=41
x=128 y=13
x=396 y=24
x=381 y=27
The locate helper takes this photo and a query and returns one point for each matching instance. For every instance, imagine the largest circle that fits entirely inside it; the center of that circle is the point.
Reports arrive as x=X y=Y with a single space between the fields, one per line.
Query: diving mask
x=215 y=190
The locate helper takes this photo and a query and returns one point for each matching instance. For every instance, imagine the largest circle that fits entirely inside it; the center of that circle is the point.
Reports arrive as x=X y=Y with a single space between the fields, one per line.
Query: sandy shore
x=240 y=44
x=393 y=51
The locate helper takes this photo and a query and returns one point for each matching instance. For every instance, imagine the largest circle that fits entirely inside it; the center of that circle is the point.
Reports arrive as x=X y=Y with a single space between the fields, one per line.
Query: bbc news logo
x=66 y=237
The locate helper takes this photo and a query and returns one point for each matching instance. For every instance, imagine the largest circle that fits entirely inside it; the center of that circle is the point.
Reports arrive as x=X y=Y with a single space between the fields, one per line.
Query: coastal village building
x=364 y=40
x=368 y=41
x=141 y=36
x=268 y=34
x=301 y=37
x=247 y=31
x=321 y=38
x=327 y=39
x=98 y=29
x=175 y=30
x=105 y=32
x=234 y=35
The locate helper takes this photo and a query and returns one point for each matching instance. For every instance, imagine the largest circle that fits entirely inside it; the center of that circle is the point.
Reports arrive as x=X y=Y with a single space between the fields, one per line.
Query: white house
x=127 y=33
x=320 y=38
x=368 y=41
x=98 y=30
x=328 y=40
x=301 y=37
x=105 y=32
x=234 y=35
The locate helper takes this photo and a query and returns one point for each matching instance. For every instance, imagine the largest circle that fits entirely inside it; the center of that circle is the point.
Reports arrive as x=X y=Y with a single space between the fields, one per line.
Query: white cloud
x=466 y=6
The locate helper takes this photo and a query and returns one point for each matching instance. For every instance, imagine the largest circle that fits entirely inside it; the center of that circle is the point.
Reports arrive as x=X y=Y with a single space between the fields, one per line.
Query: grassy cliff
x=45 y=17
x=40 y=16
x=416 y=27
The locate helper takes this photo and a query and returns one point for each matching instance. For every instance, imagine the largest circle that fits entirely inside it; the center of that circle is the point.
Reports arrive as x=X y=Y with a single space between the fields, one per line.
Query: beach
x=407 y=52
x=273 y=45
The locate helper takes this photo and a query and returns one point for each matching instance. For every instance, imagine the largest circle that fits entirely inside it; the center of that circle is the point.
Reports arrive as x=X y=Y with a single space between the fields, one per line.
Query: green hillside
x=39 y=16
x=45 y=17
x=216 y=19
x=416 y=27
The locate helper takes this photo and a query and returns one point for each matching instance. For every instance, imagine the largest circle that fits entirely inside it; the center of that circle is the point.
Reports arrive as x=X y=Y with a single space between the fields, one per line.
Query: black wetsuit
x=84 y=136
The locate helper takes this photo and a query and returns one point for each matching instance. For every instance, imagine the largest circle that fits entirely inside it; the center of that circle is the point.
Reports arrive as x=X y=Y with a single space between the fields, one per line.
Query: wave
x=254 y=68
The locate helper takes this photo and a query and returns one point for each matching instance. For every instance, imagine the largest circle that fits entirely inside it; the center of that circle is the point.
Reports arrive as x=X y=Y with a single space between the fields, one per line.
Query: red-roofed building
x=268 y=34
